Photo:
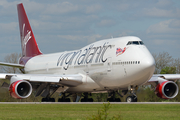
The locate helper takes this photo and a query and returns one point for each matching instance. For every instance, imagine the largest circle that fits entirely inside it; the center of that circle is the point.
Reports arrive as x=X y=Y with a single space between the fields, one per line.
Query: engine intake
x=20 y=89
x=167 y=90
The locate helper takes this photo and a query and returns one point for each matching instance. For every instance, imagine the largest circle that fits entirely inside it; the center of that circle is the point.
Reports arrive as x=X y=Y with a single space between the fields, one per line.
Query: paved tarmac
x=89 y=102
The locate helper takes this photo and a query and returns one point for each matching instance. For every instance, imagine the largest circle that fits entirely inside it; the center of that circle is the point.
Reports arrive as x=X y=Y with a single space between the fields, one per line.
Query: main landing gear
x=64 y=98
x=47 y=93
x=86 y=99
x=48 y=100
x=112 y=97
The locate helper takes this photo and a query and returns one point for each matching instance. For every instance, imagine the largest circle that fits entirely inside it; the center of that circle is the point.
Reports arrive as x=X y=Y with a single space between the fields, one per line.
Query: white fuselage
x=105 y=65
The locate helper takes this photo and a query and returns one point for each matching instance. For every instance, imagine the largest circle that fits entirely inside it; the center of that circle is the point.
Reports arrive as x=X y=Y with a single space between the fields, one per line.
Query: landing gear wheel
x=51 y=100
x=64 y=100
x=114 y=100
x=135 y=99
x=87 y=100
x=44 y=100
x=48 y=100
x=131 y=99
x=117 y=100
x=110 y=100
x=83 y=100
x=60 y=100
x=90 y=100
x=67 y=100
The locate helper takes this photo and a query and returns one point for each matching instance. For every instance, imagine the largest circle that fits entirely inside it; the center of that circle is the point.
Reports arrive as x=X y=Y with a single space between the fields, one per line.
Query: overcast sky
x=61 y=25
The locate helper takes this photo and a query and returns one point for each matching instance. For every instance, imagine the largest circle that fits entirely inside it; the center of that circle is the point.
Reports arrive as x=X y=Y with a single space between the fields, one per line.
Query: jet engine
x=167 y=90
x=20 y=89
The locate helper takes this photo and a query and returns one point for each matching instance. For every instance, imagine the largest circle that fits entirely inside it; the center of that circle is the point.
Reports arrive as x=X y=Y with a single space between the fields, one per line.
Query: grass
x=84 y=111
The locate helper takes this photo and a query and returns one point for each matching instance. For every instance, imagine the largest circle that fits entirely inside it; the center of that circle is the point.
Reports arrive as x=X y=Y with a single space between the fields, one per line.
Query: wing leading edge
x=66 y=80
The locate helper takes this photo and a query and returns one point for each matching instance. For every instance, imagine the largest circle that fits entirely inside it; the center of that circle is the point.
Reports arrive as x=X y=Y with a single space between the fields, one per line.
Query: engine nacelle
x=167 y=90
x=20 y=89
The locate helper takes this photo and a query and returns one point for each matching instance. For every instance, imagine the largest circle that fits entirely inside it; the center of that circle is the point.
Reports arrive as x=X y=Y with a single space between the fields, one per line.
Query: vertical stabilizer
x=28 y=42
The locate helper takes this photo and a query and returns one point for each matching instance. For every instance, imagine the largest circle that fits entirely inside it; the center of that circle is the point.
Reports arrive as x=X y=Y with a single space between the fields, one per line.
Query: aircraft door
x=47 y=67
x=109 y=64
x=124 y=66
x=87 y=68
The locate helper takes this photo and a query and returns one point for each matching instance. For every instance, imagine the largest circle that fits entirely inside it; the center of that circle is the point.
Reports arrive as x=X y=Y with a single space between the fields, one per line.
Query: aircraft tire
x=131 y=99
x=48 y=100
x=135 y=99
x=67 y=100
x=90 y=100
x=83 y=100
x=51 y=100
x=110 y=100
x=60 y=100
x=117 y=100
x=44 y=100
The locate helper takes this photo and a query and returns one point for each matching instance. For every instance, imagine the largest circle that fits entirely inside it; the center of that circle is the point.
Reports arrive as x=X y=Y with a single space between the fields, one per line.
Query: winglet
x=28 y=42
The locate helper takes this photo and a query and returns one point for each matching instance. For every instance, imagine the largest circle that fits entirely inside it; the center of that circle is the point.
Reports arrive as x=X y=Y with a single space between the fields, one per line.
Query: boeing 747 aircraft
x=109 y=65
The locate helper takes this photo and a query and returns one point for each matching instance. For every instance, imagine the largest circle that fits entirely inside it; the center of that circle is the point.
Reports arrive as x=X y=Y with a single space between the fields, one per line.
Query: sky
x=62 y=25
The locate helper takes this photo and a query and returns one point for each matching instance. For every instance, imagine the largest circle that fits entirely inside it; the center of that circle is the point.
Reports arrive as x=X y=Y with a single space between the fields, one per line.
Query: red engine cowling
x=20 y=89
x=167 y=90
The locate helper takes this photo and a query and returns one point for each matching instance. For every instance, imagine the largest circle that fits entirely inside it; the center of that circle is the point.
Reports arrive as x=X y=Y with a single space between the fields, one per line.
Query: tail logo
x=25 y=38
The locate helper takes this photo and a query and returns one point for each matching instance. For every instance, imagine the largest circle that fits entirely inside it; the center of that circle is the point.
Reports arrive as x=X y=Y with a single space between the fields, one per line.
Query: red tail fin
x=28 y=42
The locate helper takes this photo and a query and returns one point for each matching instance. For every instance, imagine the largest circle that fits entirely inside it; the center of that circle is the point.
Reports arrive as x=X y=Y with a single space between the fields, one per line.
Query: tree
x=12 y=58
x=168 y=70
x=162 y=60
x=4 y=94
x=177 y=65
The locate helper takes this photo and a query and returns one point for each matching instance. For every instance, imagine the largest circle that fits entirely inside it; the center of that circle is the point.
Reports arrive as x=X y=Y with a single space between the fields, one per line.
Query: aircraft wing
x=12 y=65
x=66 y=80
x=164 y=85
x=169 y=77
x=159 y=78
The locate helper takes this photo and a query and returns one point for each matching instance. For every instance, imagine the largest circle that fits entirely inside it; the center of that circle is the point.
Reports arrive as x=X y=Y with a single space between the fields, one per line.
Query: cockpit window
x=141 y=43
x=135 y=43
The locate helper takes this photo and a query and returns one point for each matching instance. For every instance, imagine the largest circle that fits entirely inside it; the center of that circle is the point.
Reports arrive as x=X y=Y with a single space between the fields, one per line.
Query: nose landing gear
x=132 y=97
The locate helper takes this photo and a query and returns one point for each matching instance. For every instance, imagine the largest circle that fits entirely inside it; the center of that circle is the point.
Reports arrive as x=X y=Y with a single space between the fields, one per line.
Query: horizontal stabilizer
x=12 y=65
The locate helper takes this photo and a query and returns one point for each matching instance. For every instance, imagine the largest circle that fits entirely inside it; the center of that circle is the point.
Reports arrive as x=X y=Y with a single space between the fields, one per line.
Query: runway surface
x=89 y=102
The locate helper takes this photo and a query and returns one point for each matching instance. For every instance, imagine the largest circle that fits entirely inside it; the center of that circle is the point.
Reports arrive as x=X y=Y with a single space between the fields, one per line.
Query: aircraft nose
x=148 y=63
